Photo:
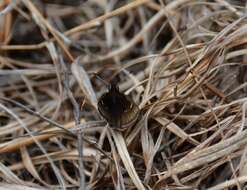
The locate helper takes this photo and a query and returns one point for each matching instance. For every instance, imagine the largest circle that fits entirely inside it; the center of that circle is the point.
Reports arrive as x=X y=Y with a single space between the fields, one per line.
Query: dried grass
x=182 y=61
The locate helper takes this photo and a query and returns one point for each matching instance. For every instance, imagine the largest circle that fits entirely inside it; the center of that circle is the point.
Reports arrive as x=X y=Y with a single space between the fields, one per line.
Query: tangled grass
x=182 y=61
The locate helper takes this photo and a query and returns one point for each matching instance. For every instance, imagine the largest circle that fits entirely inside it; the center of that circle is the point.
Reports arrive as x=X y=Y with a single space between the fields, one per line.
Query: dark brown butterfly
x=118 y=109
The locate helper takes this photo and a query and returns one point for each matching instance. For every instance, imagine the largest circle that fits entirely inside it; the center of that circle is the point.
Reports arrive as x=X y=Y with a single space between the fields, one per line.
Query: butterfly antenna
x=102 y=80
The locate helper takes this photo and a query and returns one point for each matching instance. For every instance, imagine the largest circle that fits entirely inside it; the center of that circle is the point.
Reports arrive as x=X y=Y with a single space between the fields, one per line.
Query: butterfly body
x=118 y=109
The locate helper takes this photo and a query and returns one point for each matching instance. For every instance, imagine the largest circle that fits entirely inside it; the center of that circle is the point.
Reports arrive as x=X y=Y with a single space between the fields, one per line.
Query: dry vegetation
x=182 y=61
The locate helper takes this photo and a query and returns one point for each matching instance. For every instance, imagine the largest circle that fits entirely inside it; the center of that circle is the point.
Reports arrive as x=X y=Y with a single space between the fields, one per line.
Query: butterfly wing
x=110 y=106
x=116 y=108
x=130 y=116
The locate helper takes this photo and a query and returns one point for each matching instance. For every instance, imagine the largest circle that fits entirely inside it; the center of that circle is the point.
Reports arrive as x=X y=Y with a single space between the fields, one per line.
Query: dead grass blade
x=125 y=157
x=84 y=83
x=7 y=186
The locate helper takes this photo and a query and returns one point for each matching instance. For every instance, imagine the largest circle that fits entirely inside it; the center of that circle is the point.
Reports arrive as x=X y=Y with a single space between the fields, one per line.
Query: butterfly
x=118 y=109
